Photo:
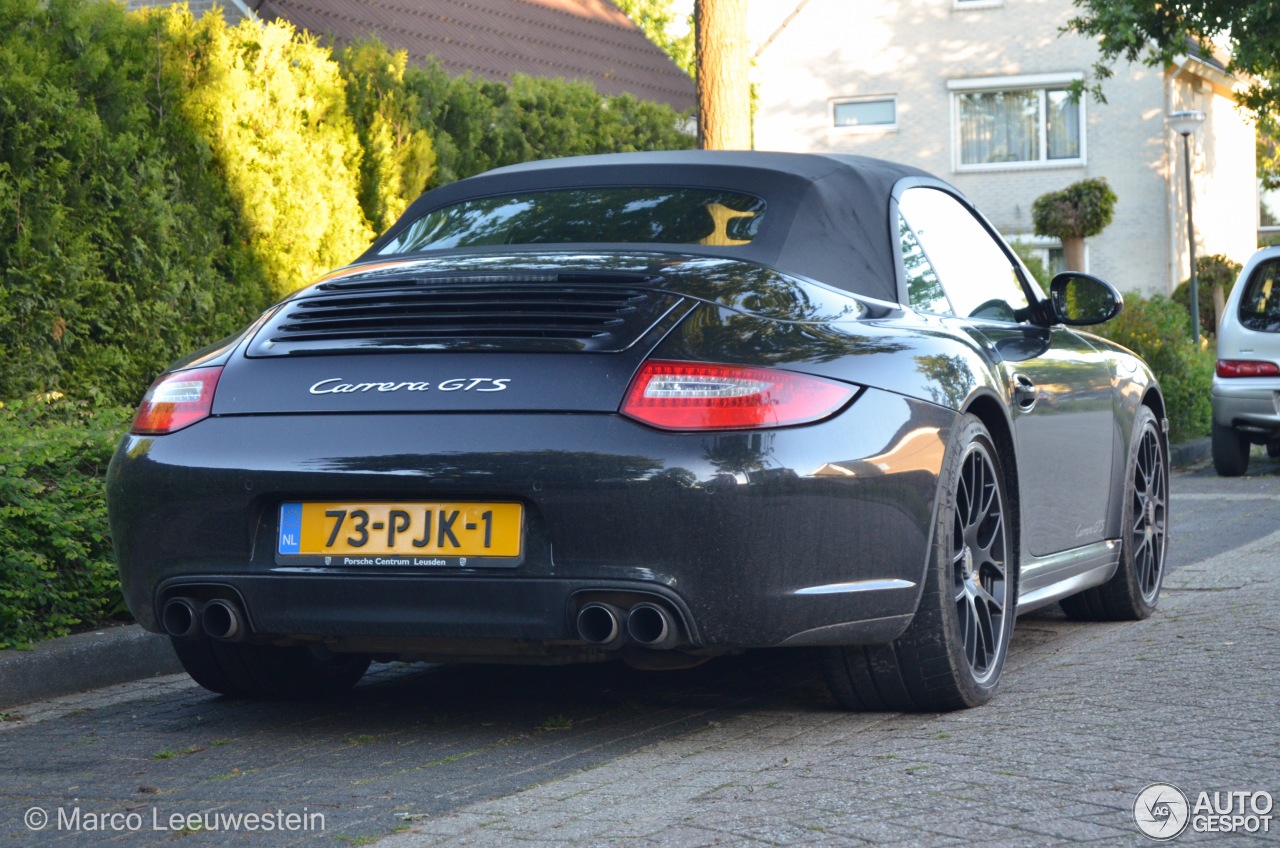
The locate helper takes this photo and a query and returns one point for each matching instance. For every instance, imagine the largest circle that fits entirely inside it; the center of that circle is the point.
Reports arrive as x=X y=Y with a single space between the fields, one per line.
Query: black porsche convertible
x=655 y=407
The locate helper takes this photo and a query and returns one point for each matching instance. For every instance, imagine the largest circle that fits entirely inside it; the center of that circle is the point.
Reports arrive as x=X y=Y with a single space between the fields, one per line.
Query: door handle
x=1025 y=392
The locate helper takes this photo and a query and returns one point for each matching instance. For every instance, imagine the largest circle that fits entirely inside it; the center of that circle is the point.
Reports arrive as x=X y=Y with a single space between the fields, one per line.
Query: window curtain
x=999 y=126
x=1063 y=116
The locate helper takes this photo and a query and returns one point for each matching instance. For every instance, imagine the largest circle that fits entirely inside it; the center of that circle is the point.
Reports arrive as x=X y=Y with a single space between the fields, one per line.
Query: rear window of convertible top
x=587 y=216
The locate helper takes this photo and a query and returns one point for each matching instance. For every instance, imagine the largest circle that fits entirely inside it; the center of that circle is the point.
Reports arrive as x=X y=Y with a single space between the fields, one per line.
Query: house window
x=1001 y=124
x=866 y=114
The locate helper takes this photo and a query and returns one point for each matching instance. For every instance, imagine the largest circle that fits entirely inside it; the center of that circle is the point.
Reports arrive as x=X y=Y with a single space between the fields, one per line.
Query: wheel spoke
x=1139 y=522
x=971 y=633
x=1145 y=572
x=988 y=598
x=986 y=635
x=957 y=576
x=987 y=537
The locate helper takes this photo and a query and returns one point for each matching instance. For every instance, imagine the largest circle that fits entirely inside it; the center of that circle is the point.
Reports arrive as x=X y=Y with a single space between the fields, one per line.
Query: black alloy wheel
x=981 y=543
x=1133 y=592
x=953 y=652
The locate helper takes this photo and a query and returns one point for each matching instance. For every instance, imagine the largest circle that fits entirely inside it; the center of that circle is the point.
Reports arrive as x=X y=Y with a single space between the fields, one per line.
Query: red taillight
x=1247 y=368
x=688 y=396
x=175 y=401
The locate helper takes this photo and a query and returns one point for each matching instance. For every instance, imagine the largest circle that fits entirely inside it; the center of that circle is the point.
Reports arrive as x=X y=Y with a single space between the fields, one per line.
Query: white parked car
x=1246 y=381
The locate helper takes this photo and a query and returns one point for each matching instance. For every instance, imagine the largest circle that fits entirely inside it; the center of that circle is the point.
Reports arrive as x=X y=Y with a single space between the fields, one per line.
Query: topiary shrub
x=1216 y=275
x=1080 y=210
x=1158 y=331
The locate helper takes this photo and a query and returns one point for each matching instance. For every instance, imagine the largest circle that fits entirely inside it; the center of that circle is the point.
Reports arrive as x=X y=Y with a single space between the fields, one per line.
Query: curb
x=71 y=664
x=1189 y=453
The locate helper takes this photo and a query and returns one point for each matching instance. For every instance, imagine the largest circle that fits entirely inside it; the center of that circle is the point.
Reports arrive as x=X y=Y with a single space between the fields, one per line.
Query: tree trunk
x=1219 y=306
x=724 y=98
x=1073 y=253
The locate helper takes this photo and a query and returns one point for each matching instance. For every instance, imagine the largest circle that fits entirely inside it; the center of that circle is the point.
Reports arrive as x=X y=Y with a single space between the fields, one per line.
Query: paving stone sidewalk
x=1188 y=697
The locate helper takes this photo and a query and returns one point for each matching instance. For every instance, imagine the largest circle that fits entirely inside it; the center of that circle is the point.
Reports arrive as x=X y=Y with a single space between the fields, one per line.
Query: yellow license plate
x=412 y=529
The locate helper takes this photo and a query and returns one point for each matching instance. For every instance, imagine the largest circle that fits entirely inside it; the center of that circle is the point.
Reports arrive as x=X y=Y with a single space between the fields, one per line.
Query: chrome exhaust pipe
x=600 y=624
x=181 y=618
x=652 y=626
x=223 y=620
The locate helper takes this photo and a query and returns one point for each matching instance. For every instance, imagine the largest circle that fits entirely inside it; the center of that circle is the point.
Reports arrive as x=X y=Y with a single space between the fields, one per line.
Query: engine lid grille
x=525 y=313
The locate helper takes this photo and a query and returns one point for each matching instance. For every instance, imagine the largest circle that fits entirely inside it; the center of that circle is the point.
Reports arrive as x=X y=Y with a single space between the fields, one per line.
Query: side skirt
x=1044 y=580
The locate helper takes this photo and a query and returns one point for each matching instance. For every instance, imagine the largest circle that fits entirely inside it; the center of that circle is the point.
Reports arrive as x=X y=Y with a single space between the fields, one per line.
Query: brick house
x=976 y=92
x=588 y=40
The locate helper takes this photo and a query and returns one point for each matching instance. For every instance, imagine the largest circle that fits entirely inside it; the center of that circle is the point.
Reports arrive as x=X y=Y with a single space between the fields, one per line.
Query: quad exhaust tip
x=188 y=618
x=223 y=620
x=181 y=617
x=646 y=624
x=600 y=624
x=652 y=626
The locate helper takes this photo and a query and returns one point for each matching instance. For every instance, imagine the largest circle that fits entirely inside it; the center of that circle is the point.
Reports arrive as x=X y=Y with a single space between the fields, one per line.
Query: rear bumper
x=1247 y=403
x=808 y=535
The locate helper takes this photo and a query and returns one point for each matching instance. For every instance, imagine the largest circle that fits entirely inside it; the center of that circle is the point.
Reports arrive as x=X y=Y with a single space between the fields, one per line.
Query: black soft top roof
x=827 y=215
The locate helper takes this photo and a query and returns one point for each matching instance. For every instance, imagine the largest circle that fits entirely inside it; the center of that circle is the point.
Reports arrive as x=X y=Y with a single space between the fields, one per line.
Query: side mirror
x=1079 y=300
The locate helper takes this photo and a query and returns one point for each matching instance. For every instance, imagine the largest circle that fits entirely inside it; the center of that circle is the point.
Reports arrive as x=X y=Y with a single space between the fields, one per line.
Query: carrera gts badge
x=335 y=386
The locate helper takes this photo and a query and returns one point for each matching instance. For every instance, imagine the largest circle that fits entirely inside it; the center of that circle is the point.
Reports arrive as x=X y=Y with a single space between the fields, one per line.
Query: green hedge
x=162 y=180
x=272 y=106
x=55 y=555
x=422 y=128
x=1159 y=331
x=121 y=245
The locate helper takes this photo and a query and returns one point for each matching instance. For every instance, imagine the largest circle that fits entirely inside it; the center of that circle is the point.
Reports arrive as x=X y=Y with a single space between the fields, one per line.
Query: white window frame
x=862 y=128
x=1267 y=229
x=1044 y=247
x=1027 y=82
x=966 y=5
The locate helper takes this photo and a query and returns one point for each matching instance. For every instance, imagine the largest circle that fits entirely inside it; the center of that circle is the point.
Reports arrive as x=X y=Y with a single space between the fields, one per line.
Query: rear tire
x=245 y=670
x=1132 y=593
x=1230 y=451
x=953 y=652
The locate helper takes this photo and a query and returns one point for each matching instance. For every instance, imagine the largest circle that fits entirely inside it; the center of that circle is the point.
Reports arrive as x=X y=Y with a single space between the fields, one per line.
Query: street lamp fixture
x=1185 y=124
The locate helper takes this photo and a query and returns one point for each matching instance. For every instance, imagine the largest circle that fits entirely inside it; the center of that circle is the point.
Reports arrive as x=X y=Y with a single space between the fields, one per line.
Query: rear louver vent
x=494 y=315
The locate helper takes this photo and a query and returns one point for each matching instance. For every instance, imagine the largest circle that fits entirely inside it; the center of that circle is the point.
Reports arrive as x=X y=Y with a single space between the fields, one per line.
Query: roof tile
x=590 y=40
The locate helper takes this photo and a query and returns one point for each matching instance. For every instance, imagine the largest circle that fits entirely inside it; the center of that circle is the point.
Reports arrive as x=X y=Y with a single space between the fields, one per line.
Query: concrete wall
x=911 y=49
x=1222 y=160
